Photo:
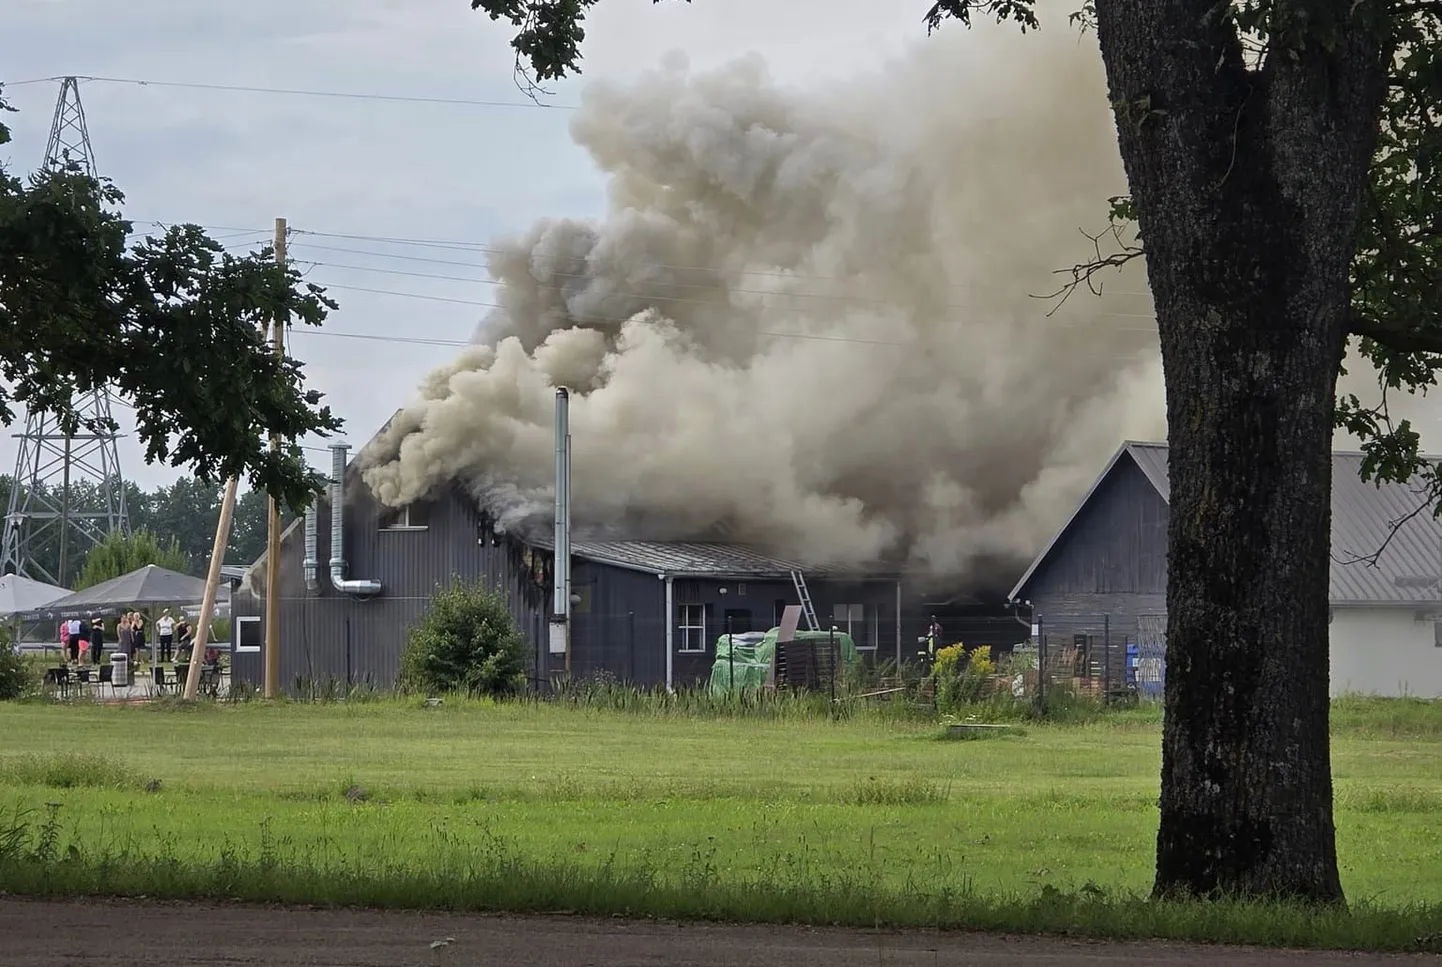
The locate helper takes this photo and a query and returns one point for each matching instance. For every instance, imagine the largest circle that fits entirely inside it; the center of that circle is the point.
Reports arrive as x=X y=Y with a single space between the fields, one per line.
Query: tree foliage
x=174 y=323
x=466 y=642
x=548 y=34
x=18 y=678
x=118 y=555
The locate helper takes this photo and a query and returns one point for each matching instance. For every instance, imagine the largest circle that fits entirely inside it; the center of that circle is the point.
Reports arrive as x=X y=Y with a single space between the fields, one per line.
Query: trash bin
x=119 y=669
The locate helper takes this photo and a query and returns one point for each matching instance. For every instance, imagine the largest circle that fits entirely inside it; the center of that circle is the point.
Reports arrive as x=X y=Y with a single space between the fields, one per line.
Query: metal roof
x=695 y=559
x=150 y=584
x=19 y=594
x=1408 y=571
x=1151 y=458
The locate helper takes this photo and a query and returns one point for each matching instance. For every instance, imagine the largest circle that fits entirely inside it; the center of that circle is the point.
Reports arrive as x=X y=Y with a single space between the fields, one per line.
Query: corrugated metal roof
x=1151 y=459
x=1407 y=571
x=692 y=558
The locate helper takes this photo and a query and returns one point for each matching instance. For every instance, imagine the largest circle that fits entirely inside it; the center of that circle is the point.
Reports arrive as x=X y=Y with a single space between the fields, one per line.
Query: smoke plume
x=808 y=321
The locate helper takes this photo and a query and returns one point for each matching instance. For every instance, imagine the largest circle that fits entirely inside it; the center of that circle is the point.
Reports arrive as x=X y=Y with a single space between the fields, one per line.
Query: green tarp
x=750 y=656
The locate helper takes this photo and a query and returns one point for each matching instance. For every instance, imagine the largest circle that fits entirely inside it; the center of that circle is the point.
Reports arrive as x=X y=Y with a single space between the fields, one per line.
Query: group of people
x=84 y=641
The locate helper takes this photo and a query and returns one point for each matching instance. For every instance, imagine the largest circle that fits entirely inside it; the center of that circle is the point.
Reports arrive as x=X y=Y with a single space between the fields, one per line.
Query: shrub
x=467 y=641
x=17 y=676
x=962 y=678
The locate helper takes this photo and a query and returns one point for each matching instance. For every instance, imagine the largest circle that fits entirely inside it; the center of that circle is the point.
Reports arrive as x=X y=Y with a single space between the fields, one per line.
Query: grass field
x=527 y=807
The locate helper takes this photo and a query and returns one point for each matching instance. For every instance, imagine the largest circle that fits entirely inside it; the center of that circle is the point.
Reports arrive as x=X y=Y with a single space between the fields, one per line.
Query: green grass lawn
x=542 y=807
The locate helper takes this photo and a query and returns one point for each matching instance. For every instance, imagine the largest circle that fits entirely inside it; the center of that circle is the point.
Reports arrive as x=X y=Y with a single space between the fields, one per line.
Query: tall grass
x=69 y=770
x=478 y=870
x=613 y=800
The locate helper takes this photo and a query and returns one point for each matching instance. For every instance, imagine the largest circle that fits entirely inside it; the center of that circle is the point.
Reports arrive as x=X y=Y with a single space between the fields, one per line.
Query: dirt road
x=122 y=934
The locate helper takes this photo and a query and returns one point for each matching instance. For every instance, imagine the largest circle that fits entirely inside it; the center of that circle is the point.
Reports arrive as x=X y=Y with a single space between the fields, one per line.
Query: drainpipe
x=312 y=554
x=361 y=588
x=670 y=623
x=898 y=627
x=560 y=636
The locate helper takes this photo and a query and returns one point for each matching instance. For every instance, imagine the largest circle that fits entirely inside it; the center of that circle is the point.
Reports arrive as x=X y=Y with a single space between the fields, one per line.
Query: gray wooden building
x=1104 y=573
x=1103 y=577
x=644 y=612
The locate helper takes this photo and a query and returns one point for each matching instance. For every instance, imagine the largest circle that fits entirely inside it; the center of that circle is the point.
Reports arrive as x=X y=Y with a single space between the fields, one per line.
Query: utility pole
x=212 y=586
x=272 y=537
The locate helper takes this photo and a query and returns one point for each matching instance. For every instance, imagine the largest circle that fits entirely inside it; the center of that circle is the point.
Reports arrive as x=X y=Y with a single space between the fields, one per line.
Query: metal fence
x=1105 y=656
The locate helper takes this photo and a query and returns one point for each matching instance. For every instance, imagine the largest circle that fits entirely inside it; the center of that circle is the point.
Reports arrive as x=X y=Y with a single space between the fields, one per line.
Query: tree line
x=179 y=520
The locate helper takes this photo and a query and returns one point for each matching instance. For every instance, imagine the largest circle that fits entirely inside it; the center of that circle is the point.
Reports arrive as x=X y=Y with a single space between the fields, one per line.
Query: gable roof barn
x=1407 y=572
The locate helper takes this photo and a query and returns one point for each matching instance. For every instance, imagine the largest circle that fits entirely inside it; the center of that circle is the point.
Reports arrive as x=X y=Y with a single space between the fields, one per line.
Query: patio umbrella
x=151 y=586
x=19 y=594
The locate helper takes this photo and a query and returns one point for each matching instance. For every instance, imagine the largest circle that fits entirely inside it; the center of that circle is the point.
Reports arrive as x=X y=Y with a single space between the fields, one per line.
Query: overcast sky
x=235 y=161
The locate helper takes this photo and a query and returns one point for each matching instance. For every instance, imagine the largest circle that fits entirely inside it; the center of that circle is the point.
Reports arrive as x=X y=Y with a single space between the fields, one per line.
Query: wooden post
x=272 y=539
x=212 y=586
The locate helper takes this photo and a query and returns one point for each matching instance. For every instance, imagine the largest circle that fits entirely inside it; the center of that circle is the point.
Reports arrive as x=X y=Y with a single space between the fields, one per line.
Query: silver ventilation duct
x=312 y=551
x=364 y=588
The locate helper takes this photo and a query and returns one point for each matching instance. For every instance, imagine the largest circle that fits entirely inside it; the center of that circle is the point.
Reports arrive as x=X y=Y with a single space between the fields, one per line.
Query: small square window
x=691 y=628
x=410 y=517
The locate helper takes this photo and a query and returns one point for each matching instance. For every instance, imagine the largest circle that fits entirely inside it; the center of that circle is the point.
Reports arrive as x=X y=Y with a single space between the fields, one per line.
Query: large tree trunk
x=1247 y=185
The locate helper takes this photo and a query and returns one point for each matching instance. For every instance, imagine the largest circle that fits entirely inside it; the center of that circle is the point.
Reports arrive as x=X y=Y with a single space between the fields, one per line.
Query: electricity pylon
x=50 y=464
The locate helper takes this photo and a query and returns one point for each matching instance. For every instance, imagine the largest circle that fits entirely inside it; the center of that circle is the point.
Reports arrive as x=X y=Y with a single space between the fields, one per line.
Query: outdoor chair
x=107 y=677
x=60 y=678
x=161 y=683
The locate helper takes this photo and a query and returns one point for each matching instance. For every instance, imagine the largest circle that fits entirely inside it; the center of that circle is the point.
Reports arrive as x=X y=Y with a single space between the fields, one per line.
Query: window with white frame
x=691 y=628
x=408 y=518
x=851 y=618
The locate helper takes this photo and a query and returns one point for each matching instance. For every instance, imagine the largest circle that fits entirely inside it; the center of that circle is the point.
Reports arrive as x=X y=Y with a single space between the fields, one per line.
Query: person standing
x=137 y=633
x=97 y=640
x=124 y=637
x=76 y=635
x=165 y=628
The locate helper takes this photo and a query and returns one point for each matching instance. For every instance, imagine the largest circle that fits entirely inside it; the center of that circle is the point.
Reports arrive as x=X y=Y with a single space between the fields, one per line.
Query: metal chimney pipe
x=561 y=567
x=363 y=588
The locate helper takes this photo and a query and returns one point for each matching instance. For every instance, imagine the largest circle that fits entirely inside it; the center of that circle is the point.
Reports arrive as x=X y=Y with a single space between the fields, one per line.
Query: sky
x=377 y=171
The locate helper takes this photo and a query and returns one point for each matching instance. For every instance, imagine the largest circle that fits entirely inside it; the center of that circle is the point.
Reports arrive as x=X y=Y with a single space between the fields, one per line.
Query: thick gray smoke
x=808 y=321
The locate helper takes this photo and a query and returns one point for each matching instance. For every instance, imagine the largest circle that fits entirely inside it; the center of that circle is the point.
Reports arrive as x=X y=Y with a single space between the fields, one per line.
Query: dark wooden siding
x=1111 y=564
x=757 y=604
x=618 y=627
x=326 y=636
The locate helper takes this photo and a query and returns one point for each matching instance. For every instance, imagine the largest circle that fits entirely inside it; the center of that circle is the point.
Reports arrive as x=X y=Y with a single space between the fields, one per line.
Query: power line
x=297 y=92
x=480 y=248
x=375 y=337
x=483 y=248
x=817 y=337
x=261 y=237
x=652 y=297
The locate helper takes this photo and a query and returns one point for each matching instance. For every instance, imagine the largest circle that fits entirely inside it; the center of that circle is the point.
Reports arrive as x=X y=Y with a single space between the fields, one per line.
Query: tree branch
x=1397 y=339
x=1393 y=527
x=1084 y=273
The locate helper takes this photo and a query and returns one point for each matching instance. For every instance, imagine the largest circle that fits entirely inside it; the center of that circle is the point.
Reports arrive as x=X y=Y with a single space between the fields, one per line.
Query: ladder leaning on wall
x=807 y=608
